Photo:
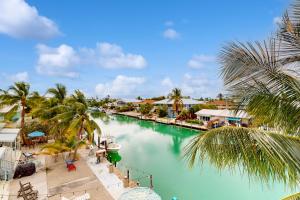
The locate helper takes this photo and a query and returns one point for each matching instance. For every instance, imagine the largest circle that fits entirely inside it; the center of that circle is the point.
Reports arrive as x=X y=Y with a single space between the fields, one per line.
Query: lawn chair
x=27 y=192
x=70 y=165
x=27 y=155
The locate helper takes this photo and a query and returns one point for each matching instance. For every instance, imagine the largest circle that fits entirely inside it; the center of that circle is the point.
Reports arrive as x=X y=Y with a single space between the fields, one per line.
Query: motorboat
x=109 y=143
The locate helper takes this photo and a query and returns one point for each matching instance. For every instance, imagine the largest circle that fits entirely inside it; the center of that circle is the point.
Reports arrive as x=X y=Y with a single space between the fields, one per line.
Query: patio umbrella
x=36 y=134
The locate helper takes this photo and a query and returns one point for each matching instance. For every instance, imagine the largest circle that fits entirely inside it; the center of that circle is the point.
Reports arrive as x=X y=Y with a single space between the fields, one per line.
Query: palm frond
x=262 y=155
x=292 y=197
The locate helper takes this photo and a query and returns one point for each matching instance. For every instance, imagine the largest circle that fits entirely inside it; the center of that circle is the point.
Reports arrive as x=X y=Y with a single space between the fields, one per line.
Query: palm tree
x=220 y=96
x=17 y=95
x=60 y=146
x=176 y=96
x=264 y=79
x=59 y=92
x=74 y=115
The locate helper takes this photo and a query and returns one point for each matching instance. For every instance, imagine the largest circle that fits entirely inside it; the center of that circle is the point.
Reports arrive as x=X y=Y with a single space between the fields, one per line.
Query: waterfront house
x=187 y=104
x=224 y=117
x=9 y=152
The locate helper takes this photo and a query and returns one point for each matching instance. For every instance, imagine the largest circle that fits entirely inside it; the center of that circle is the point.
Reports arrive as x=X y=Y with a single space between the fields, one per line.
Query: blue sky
x=126 y=48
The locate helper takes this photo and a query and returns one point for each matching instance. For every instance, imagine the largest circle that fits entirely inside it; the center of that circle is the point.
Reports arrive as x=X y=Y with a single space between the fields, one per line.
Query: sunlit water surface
x=153 y=148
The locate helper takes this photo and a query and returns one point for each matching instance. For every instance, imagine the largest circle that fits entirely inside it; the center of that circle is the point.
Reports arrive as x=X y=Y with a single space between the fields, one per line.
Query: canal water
x=156 y=149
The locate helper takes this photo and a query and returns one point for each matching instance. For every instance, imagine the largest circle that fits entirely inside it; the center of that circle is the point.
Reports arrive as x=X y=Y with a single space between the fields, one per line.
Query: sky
x=127 y=48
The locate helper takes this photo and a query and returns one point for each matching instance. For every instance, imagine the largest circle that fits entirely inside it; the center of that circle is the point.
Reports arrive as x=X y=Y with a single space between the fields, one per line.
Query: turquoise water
x=153 y=148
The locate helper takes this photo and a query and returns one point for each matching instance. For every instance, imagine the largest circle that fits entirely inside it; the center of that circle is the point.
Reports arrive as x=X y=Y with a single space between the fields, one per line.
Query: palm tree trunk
x=23 y=121
x=78 y=138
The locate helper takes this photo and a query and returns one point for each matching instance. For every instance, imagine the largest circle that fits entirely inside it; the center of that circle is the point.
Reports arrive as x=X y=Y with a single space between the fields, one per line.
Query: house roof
x=185 y=102
x=6 y=109
x=9 y=134
x=223 y=113
x=129 y=100
x=149 y=101
x=220 y=102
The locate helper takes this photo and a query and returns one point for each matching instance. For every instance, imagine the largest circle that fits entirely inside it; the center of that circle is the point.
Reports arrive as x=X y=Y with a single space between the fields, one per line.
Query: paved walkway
x=111 y=182
x=74 y=183
x=4 y=190
x=38 y=181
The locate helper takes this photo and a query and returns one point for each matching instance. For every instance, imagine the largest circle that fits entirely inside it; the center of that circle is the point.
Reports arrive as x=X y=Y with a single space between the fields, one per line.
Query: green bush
x=198 y=107
x=195 y=121
x=162 y=111
x=126 y=108
x=145 y=109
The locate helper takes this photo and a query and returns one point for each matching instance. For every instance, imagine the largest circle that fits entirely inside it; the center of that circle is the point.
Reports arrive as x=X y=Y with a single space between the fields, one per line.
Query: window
x=205 y=118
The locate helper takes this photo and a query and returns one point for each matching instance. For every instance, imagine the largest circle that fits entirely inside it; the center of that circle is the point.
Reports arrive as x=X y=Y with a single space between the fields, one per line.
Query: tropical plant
x=195 y=121
x=69 y=144
x=145 y=109
x=162 y=111
x=17 y=95
x=264 y=79
x=220 y=96
x=176 y=97
x=59 y=92
x=184 y=114
x=74 y=116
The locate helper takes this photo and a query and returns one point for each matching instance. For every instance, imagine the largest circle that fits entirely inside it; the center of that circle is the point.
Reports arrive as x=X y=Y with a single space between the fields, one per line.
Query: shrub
x=145 y=109
x=126 y=108
x=162 y=111
x=195 y=121
x=198 y=107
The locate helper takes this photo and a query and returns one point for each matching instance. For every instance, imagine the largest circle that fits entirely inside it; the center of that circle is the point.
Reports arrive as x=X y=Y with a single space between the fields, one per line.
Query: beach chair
x=27 y=155
x=26 y=191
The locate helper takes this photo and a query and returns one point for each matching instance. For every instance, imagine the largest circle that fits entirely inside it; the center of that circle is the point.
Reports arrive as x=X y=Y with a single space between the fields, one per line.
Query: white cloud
x=112 y=56
x=201 y=85
x=57 y=61
x=198 y=61
x=121 y=86
x=167 y=82
x=62 y=60
x=169 y=23
x=171 y=34
x=20 y=20
x=195 y=86
x=22 y=76
x=277 y=20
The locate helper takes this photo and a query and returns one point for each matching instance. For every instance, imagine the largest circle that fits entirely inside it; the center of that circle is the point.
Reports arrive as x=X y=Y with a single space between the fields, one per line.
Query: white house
x=10 y=137
x=187 y=103
x=9 y=152
x=224 y=116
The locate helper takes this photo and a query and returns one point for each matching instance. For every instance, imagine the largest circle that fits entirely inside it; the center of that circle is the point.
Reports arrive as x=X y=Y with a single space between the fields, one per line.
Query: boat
x=112 y=146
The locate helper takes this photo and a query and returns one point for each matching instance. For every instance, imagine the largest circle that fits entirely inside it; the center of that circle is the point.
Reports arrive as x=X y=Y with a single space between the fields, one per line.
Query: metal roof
x=6 y=109
x=185 y=102
x=223 y=113
x=9 y=134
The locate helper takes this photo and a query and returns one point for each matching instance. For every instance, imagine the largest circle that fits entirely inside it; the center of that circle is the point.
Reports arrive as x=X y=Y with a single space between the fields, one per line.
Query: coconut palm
x=18 y=96
x=69 y=144
x=176 y=96
x=220 y=96
x=73 y=114
x=59 y=92
x=264 y=79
